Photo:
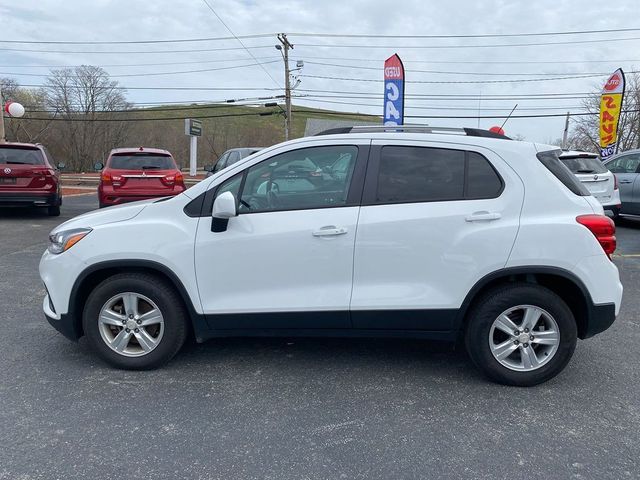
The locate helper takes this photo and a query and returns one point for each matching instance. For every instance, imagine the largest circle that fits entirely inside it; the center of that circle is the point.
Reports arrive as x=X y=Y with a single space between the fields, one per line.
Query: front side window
x=300 y=179
x=625 y=164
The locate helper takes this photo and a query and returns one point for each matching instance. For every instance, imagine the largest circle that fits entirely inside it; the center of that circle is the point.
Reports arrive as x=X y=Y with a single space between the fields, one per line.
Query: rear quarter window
x=550 y=159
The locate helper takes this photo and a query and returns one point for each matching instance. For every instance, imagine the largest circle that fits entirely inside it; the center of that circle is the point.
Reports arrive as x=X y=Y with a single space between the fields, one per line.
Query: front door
x=286 y=260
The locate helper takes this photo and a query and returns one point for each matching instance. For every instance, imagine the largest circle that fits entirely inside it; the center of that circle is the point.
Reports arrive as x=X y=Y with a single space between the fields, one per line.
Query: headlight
x=62 y=241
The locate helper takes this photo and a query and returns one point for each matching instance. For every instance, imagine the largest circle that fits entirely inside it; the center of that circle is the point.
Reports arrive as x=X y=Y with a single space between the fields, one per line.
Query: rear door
x=22 y=168
x=435 y=218
x=142 y=173
x=626 y=168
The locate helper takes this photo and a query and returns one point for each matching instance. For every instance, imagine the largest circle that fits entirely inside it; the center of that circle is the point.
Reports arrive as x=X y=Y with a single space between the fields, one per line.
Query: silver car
x=626 y=167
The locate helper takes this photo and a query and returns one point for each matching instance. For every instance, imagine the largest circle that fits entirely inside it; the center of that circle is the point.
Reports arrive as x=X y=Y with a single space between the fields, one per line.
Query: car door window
x=300 y=179
x=625 y=164
x=221 y=163
x=233 y=157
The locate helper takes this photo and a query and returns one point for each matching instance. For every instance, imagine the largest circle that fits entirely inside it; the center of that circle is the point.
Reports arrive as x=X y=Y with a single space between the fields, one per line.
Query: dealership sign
x=393 y=91
x=610 y=107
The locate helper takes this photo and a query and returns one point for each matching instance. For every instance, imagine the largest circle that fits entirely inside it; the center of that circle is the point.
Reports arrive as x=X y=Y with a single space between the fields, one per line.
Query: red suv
x=28 y=177
x=137 y=174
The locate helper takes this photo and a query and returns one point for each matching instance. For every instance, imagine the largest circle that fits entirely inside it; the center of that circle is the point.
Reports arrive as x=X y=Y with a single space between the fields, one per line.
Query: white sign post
x=193 y=128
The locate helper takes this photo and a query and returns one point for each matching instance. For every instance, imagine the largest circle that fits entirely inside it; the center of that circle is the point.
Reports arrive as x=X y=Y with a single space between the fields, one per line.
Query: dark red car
x=132 y=174
x=29 y=177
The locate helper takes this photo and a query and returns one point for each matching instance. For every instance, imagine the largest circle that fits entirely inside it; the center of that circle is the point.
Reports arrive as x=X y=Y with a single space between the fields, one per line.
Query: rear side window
x=10 y=155
x=142 y=162
x=550 y=160
x=421 y=174
x=584 y=165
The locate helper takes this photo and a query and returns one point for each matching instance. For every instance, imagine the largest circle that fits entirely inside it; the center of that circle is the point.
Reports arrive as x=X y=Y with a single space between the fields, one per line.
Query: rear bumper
x=29 y=199
x=109 y=197
x=599 y=318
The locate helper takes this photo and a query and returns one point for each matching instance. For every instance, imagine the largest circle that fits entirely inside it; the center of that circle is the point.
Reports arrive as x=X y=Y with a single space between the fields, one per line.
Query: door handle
x=328 y=231
x=483 y=216
x=626 y=181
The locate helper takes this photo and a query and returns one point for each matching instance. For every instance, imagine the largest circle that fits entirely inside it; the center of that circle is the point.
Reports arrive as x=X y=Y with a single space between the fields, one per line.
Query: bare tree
x=90 y=106
x=585 y=134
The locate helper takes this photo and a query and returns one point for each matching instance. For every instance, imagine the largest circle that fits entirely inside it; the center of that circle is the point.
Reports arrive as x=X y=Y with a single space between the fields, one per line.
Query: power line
x=240 y=41
x=444 y=72
x=464 y=62
x=120 y=52
x=136 y=42
x=199 y=62
x=58 y=119
x=493 y=45
x=480 y=35
x=515 y=80
x=152 y=74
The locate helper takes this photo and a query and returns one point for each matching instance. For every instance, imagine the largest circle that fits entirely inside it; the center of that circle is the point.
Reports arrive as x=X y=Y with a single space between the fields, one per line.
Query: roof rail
x=471 y=132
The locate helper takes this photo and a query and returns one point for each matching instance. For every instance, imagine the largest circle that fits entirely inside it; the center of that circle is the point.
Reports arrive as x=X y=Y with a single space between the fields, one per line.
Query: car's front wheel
x=521 y=334
x=135 y=321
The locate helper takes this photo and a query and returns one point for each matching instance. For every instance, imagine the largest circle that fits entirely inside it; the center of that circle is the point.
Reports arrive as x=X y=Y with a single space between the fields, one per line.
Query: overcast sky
x=120 y=20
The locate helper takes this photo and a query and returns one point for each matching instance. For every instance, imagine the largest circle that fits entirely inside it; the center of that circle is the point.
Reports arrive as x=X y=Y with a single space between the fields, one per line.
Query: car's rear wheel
x=521 y=334
x=135 y=321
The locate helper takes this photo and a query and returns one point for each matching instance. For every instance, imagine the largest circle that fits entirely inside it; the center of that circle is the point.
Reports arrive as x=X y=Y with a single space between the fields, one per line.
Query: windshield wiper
x=150 y=167
x=13 y=162
x=585 y=171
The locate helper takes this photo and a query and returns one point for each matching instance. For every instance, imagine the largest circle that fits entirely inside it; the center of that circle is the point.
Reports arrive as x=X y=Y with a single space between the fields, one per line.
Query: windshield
x=142 y=162
x=20 y=155
x=584 y=165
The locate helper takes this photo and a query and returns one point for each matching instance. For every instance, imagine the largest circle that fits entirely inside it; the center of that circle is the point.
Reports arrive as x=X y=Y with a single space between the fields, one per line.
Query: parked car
x=600 y=182
x=132 y=174
x=626 y=167
x=448 y=234
x=29 y=177
x=230 y=157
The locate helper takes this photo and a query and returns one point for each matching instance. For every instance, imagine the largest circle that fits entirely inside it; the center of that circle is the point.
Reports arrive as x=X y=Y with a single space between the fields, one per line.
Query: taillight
x=615 y=182
x=603 y=229
x=105 y=178
x=109 y=179
x=174 y=178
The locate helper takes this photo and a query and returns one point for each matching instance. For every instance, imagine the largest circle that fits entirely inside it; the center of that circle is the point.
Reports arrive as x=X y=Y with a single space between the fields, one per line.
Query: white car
x=600 y=182
x=449 y=234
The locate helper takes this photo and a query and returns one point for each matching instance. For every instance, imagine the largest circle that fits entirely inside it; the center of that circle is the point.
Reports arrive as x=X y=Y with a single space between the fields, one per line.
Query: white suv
x=450 y=234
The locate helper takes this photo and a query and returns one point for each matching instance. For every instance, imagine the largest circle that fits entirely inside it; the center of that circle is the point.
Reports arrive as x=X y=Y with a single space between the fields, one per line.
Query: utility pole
x=2 y=137
x=284 y=47
x=565 y=133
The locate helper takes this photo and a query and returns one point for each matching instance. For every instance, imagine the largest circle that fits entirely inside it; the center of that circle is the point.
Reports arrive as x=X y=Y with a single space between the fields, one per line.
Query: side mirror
x=61 y=166
x=98 y=166
x=208 y=168
x=224 y=207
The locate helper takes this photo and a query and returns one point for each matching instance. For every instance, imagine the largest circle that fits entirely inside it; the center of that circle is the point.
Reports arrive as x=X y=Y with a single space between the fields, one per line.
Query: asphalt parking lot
x=303 y=408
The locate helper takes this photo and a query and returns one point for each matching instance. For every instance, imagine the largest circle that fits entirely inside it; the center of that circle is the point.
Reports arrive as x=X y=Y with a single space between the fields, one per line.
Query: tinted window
x=20 y=155
x=625 y=164
x=300 y=179
x=584 y=165
x=550 y=160
x=142 y=162
x=418 y=174
x=482 y=179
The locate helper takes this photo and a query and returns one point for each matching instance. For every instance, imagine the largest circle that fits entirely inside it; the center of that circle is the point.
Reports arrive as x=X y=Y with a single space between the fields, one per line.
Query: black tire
x=162 y=294
x=53 y=211
x=496 y=301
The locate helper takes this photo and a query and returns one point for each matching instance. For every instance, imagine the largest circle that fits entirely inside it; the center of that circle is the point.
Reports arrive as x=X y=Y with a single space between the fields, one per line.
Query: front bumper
x=64 y=324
